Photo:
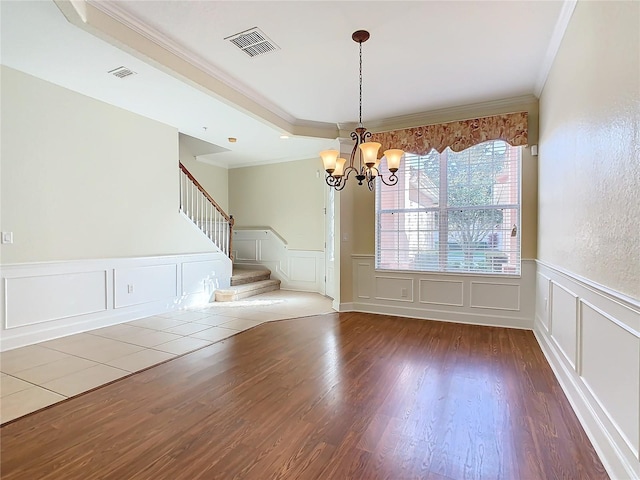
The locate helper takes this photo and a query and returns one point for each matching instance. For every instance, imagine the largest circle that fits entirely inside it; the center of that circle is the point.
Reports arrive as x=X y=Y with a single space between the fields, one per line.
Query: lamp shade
x=339 y=171
x=329 y=159
x=393 y=158
x=370 y=152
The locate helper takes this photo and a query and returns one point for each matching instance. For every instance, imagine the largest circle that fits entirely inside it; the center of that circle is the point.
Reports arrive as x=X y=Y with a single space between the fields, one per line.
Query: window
x=452 y=212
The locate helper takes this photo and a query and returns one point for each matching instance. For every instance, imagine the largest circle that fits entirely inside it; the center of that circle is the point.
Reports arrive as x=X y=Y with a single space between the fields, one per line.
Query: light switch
x=7 y=237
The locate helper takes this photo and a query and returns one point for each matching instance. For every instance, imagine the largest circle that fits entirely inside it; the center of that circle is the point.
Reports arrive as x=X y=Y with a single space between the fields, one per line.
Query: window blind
x=452 y=212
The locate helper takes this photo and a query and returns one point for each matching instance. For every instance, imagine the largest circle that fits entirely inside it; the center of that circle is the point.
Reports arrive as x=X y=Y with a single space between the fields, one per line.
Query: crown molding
x=271 y=162
x=568 y=6
x=527 y=103
x=117 y=13
x=208 y=161
x=109 y=22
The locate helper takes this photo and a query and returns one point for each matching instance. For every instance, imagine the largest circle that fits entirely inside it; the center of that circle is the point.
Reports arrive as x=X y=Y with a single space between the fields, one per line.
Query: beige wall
x=589 y=220
x=357 y=211
x=214 y=179
x=83 y=179
x=287 y=197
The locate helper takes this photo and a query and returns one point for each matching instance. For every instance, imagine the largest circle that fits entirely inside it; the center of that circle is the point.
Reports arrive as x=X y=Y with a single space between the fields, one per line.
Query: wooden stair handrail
x=228 y=218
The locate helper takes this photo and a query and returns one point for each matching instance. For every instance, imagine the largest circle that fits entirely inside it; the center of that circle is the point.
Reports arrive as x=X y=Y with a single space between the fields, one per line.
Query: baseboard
x=442 y=316
x=346 y=307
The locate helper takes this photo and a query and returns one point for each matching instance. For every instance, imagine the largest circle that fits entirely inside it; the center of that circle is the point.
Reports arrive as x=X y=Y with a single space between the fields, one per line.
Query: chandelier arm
x=340 y=186
x=355 y=137
x=331 y=180
x=393 y=179
x=347 y=172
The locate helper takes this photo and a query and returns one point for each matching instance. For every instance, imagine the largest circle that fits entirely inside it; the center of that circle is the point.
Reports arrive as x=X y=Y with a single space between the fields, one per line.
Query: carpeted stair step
x=246 y=290
x=242 y=276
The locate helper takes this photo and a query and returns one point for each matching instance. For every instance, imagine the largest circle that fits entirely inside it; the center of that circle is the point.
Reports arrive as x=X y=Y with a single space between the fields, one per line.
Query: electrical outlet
x=130 y=288
x=7 y=237
x=404 y=293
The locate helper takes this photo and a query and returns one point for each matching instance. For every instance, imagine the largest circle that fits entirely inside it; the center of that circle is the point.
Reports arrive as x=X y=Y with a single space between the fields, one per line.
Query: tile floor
x=39 y=375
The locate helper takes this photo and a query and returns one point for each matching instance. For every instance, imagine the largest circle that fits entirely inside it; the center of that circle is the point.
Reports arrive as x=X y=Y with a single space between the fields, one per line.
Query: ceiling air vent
x=253 y=42
x=121 y=72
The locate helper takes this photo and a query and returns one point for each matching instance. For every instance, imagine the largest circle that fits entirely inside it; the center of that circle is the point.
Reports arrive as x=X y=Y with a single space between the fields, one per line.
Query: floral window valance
x=510 y=127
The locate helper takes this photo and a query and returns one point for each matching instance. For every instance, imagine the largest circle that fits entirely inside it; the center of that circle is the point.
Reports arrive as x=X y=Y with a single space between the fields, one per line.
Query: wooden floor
x=329 y=397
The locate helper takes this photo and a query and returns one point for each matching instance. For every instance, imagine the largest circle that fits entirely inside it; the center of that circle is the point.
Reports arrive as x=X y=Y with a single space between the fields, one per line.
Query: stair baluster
x=205 y=212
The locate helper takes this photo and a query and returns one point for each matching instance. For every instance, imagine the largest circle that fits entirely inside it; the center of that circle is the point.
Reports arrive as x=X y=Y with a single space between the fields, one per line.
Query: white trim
x=472 y=283
x=576 y=300
x=613 y=460
x=461 y=304
x=346 y=307
x=445 y=115
x=161 y=284
x=613 y=295
x=300 y=270
x=103 y=306
x=364 y=276
x=605 y=420
x=568 y=6
x=401 y=299
x=488 y=320
x=121 y=16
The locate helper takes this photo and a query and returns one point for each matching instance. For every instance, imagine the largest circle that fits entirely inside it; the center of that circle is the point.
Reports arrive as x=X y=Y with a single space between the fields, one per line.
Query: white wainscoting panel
x=495 y=296
x=36 y=299
x=564 y=321
x=599 y=329
x=442 y=292
x=543 y=295
x=134 y=286
x=606 y=346
x=245 y=249
x=497 y=300
x=302 y=270
x=396 y=289
x=47 y=300
x=364 y=279
x=203 y=277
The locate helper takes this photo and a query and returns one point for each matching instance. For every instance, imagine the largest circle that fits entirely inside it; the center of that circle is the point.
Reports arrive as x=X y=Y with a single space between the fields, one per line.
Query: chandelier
x=364 y=162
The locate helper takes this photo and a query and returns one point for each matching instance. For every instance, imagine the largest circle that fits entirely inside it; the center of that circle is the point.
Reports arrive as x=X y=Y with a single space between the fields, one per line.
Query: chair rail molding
x=590 y=335
x=47 y=300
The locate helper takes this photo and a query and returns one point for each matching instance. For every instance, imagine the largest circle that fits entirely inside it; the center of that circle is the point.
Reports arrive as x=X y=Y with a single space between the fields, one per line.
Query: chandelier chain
x=360 y=122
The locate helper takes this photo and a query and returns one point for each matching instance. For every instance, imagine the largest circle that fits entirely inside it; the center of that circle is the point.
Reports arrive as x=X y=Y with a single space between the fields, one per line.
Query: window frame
x=443 y=253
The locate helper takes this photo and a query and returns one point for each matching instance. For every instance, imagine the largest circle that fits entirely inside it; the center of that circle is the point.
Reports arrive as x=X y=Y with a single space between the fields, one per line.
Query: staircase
x=197 y=205
x=201 y=209
x=247 y=281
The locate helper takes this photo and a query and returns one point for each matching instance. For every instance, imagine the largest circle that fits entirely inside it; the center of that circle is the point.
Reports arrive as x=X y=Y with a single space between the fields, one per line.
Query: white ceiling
x=422 y=56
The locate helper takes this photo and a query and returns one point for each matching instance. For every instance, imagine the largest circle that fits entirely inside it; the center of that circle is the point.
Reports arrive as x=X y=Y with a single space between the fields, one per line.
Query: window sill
x=453 y=274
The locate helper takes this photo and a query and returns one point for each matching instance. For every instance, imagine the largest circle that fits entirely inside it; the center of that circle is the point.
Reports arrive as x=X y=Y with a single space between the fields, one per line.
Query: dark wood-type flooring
x=335 y=396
